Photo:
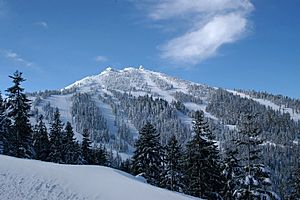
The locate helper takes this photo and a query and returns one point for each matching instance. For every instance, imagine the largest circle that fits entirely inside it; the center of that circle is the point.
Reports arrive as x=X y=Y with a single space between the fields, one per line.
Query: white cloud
x=202 y=43
x=16 y=58
x=42 y=24
x=208 y=24
x=101 y=58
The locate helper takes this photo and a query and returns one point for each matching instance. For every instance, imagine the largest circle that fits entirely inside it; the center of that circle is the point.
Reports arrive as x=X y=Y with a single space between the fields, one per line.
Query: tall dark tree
x=41 y=142
x=255 y=181
x=232 y=173
x=3 y=129
x=56 y=139
x=147 y=159
x=18 y=107
x=99 y=156
x=173 y=171
x=86 y=147
x=295 y=184
x=203 y=171
x=70 y=155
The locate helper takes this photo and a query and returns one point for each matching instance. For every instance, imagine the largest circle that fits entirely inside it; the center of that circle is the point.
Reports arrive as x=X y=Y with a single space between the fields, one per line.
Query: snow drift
x=36 y=180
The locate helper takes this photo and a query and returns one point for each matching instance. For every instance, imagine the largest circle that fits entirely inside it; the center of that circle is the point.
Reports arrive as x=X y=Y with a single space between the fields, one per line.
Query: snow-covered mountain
x=36 y=180
x=115 y=104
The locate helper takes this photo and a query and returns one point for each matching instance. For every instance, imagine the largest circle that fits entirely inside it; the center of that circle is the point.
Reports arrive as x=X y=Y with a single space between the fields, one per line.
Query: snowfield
x=22 y=179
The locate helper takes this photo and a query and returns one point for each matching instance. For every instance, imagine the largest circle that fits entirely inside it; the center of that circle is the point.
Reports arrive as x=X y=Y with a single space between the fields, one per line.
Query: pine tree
x=203 y=177
x=147 y=159
x=295 y=185
x=70 y=156
x=86 y=148
x=41 y=142
x=173 y=166
x=255 y=181
x=56 y=139
x=231 y=172
x=3 y=127
x=18 y=107
x=99 y=156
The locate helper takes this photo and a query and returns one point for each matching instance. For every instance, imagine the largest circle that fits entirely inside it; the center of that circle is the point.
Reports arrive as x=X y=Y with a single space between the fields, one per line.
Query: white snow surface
x=36 y=180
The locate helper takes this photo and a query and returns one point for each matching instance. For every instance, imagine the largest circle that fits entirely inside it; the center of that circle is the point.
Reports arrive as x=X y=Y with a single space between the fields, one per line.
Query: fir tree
x=41 y=142
x=18 y=107
x=3 y=128
x=295 y=185
x=99 y=156
x=232 y=173
x=70 y=156
x=173 y=165
x=255 y=181
x=56 y=139
x=147 y=159
x=86 y=147
x=203 y=176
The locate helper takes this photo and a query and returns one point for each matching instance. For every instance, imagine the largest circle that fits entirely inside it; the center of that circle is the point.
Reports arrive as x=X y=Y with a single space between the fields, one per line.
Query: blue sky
x=233 y=44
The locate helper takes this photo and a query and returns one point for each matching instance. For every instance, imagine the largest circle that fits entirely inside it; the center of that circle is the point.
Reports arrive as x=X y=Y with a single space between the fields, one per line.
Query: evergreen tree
x=56 y=139
x=255 y=181
x=3 y=129
x=203 y=176
x=126 y=166
x=70 y=156
x=41 y=142
x=147 y=159
x=18 y=107
x=173 y=165
x=232 y=173
x=99 y=156
x=86 y=147
x=295 y=185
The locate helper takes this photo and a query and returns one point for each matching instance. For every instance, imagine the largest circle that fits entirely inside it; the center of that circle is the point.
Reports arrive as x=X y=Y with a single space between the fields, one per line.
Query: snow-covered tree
x=18 y=107
x=86 y=147
x=295 y=185
x=203 y=175
x=173 y=168
x=147 y=159
x=70 y=155
x=56 y=139
x=41 y=142
x=255 y=181
x=231 y=173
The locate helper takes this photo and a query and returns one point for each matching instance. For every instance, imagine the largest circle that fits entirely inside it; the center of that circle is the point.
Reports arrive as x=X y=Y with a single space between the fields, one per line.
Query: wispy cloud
x=208 y=24
x=16 y=58
x=101 y=58
x=42 y=24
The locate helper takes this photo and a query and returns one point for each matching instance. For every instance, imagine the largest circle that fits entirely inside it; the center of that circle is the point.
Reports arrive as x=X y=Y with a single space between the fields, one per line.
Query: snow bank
x=35 y=180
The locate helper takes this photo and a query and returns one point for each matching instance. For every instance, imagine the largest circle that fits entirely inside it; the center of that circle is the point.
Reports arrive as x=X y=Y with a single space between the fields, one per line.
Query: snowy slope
x=36 y=180
x=269 y=104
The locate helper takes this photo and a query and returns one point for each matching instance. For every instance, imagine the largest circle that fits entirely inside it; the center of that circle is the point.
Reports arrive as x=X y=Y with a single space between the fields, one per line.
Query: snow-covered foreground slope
x=36 y=180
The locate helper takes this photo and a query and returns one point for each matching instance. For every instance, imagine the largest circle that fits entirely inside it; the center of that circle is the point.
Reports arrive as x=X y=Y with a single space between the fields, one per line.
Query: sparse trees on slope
x=147 y=159
x=56 y=139
x=18 y=107
x=41 y=142
x=203 y=172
